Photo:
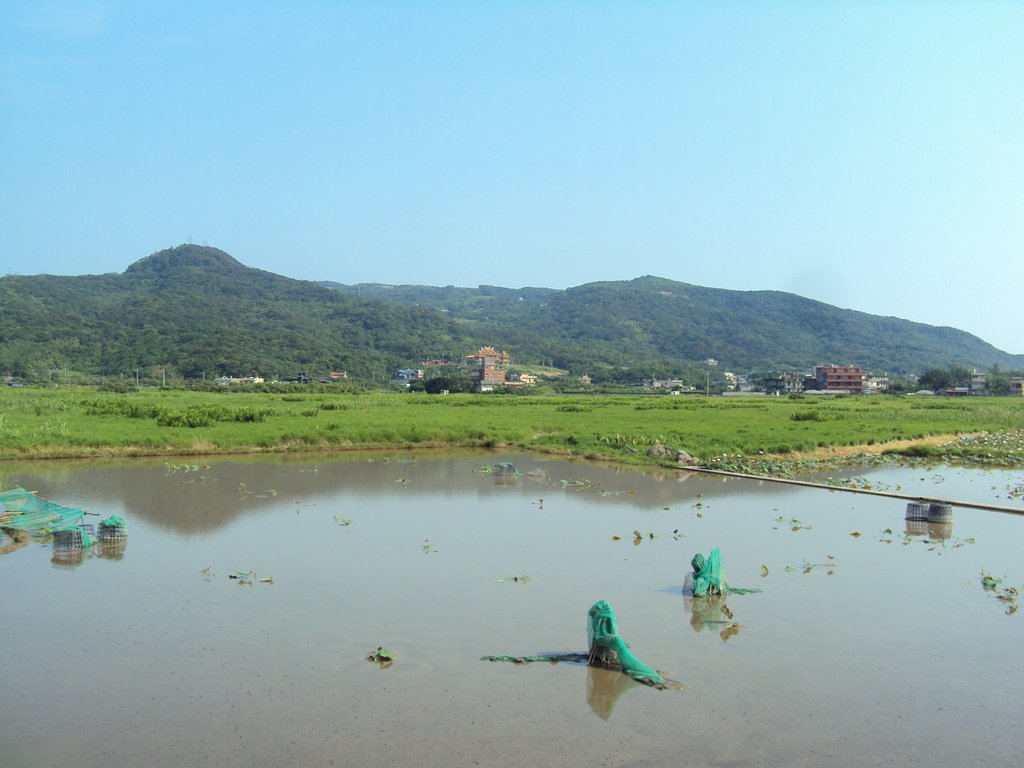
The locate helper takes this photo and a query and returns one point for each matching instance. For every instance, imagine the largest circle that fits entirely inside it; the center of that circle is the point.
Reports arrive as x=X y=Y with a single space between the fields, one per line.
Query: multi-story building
x=875 y=384
x=487 y=374
x=979 y=382
x=784 y=384
x=840 y=378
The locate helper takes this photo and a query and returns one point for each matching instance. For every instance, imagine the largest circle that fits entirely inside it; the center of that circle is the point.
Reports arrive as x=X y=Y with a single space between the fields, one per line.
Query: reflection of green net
x=607 y=649
x=24 y=511
x=502 y=469
x=708 y=578
x=706 y=613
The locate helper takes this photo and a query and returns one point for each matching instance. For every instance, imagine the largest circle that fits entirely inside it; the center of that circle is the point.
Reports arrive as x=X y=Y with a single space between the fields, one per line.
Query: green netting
x=73 y=537
x=24 y=511
x=112 y=527
x=708 y=578
x=607 y=649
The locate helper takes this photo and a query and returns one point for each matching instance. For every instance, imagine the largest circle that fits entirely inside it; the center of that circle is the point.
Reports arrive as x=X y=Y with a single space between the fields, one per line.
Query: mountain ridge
x=777 y=328
x=199 y=311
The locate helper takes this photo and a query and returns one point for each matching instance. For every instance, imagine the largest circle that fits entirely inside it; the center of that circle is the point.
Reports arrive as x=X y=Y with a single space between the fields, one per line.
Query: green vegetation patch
x=727 y=433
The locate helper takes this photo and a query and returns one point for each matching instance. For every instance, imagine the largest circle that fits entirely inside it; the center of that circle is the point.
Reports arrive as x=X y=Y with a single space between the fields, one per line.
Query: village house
x=873 y=385
x=225 y=381
x=834 y=379
x=665 y=385
x=979 y=382
x=407 y=376
x=521 y=380
x=784 y=384
x=332 y=377
x=957 y=391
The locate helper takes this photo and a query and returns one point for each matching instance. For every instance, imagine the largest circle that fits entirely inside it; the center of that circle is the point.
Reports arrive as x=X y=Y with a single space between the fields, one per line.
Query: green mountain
x=653 y=319
x=195 y=310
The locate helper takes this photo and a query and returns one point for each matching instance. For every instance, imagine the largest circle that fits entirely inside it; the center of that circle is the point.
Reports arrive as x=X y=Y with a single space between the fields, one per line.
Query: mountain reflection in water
x=210 y=492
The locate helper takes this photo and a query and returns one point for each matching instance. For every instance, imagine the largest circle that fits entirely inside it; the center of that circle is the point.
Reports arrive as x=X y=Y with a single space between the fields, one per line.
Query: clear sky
x=866 y=154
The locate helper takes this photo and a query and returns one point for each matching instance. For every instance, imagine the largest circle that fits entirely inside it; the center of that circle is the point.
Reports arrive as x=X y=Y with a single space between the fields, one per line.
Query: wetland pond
x=881 y=648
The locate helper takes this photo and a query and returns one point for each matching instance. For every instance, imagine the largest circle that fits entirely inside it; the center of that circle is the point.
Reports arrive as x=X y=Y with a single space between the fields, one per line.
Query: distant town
x=489 y=370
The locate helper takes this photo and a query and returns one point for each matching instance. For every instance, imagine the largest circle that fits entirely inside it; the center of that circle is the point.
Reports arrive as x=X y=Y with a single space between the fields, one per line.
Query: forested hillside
x=195 y=311
x=651 y=318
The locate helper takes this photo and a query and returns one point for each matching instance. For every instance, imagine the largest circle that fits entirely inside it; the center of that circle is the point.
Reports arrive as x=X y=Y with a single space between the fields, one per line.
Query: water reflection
x=207 y=495
x=111 y=549
x=12 y=540
x=182 y=641
x=937 y=531
x=711 y=613
x=604 y=687
x=69 y=557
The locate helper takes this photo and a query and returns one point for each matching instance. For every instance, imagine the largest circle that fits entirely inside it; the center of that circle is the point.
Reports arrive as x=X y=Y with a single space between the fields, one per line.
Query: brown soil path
x=840 y=451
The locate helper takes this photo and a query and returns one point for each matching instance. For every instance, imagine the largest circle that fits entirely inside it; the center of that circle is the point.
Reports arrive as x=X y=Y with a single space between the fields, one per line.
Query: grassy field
x=726 y=432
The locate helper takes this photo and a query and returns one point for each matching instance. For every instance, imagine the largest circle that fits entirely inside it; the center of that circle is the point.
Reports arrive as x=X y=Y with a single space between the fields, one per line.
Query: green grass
x=67 y=422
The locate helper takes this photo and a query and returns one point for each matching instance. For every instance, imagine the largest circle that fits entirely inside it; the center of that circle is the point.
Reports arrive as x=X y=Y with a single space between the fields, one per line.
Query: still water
x=874 y=649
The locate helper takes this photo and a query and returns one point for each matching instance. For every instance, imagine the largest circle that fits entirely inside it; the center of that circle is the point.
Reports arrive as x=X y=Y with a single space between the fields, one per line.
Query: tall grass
x=79 y=422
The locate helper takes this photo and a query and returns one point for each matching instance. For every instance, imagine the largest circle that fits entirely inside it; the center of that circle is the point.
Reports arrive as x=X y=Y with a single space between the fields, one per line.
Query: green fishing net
x=22 y=510
x=112 y=527
x=73 y=537
x=606 y=649
x=707 y=577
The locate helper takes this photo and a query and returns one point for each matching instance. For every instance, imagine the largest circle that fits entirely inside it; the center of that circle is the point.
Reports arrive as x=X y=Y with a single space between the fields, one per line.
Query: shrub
x=915 y=451
x=807 y=416
x=193 y=416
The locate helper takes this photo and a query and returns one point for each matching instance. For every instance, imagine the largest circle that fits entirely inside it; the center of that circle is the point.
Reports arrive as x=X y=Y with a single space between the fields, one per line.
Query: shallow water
x=875 y=649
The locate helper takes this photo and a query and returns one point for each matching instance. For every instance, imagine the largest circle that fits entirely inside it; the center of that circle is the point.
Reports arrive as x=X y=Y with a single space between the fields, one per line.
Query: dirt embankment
x=840 y=451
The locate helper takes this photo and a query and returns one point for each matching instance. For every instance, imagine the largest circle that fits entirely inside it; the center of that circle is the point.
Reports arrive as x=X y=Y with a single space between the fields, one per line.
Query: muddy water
x=875 y=649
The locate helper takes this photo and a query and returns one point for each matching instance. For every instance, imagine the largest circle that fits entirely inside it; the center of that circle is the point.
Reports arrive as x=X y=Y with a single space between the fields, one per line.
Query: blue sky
x=866 y=154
